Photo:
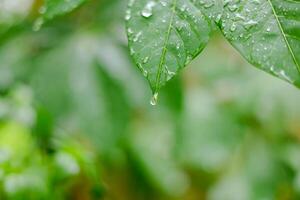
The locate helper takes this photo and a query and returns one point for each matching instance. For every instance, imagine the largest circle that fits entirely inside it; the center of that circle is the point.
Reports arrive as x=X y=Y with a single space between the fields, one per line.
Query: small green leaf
x=267 y=34
x=166 y=35
x=54 y=8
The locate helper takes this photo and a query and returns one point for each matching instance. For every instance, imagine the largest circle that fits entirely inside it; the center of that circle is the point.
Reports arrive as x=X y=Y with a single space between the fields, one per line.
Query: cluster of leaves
x=72 y=98
x=166 y=35
x=26 y=170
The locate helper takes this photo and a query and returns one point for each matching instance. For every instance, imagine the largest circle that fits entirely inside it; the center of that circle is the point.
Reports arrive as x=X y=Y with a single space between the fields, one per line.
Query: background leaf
x=54 y=8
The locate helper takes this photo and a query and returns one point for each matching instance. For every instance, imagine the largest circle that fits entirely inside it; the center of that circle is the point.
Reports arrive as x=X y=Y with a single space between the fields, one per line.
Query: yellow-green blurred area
x=76 y=122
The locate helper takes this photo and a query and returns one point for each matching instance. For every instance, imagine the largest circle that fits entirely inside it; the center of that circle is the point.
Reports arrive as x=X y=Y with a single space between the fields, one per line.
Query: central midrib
x=285 y=38
x=164 y=51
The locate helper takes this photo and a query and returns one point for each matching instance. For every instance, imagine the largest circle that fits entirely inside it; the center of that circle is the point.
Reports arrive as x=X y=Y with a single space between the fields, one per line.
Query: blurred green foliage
x=76 y=123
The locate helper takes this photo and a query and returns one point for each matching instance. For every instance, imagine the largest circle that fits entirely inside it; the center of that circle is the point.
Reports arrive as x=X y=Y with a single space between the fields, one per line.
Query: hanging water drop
x=154 y=99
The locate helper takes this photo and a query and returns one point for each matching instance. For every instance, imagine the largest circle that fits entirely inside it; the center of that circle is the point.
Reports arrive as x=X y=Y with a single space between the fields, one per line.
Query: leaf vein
x=164 y=51
x=284 y=36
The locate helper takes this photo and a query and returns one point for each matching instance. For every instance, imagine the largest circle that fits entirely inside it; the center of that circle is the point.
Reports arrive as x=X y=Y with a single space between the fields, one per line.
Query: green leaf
x=81 y=90
x=54 y=8
x=164 y=36
x=267 y=34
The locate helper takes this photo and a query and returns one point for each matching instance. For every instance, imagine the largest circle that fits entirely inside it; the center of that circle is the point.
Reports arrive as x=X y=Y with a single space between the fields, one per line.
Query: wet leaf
x=267 y=34
x=166 y=35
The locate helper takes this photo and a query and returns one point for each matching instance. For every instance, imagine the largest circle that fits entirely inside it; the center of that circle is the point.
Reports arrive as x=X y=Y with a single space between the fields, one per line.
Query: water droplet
x=131 y=2
x=137 y=36
x=128 y=15
x=249 y=24
x=147 y=11
x=233 y=8
x=38 y=24
x=145 y=73
x=233 y=27
x=218 y=18
x=209 y=5
x=163 y=3
x=146 y=59
x=189 y=58
x=283 y=75
x=43 y=10
x=132 y=52
x=154 y=99
x=129 y=31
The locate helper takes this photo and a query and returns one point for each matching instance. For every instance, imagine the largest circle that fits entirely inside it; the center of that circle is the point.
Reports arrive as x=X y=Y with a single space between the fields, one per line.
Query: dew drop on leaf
x=233 y=27
x=146 y=59
x=145 y=73
x=128 y=15
x=147 y=11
